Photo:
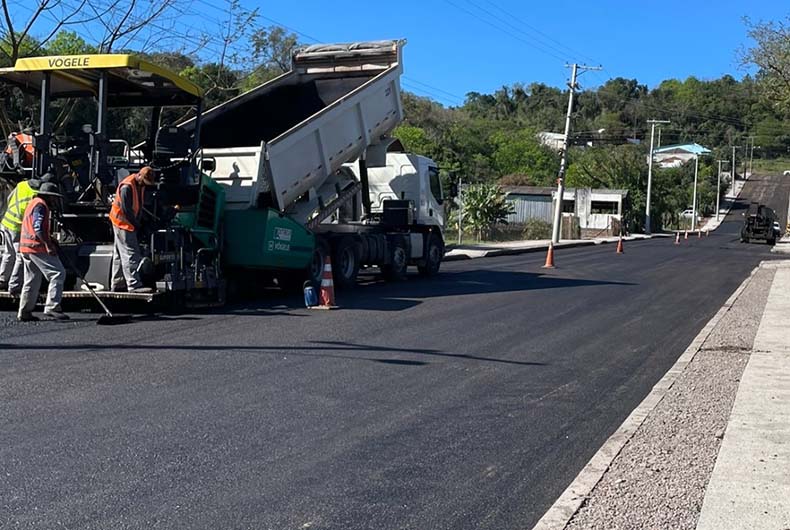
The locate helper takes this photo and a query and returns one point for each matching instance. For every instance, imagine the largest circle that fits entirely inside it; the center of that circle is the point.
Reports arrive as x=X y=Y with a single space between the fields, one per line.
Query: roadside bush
x=537 y=229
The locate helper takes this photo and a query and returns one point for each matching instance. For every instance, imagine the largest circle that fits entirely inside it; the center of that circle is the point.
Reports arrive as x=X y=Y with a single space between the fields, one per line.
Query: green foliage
x=521 y=152
x=484 y=206
x=537 y=229
x=771 y=55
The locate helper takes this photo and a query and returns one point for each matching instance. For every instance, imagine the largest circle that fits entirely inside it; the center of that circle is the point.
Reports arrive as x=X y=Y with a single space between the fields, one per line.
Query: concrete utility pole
x=555 y=231
x=718 y=189
x=694 y=203
x=733 y=167
x=751 y=158
x=653 y=124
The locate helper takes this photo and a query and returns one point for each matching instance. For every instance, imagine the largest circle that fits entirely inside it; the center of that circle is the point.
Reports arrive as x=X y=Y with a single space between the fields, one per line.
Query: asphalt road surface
x=466 y=401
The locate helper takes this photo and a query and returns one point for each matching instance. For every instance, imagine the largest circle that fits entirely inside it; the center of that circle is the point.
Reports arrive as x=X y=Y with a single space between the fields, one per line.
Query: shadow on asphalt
x=374 y=294
x=321 y=347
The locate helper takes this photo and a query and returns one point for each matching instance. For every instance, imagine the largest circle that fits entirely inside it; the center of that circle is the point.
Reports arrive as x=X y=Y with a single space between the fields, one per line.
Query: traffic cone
x=549 y=258
x=620 y=245
x=677 y=238
x=327 y=292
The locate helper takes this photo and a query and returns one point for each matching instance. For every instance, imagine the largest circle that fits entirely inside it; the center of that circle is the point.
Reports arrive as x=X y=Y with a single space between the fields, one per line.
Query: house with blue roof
x=679 y=154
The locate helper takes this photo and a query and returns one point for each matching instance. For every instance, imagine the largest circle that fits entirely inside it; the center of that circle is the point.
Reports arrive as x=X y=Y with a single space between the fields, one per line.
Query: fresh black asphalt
x=467 y=401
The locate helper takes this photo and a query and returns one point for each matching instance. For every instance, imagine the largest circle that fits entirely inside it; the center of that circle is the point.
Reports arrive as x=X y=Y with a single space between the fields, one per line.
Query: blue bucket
x=310 y=295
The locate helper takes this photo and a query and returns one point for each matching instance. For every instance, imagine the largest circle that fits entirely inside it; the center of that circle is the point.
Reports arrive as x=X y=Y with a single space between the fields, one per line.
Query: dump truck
x=307 y=160
x=759 y=224
x=265 y=186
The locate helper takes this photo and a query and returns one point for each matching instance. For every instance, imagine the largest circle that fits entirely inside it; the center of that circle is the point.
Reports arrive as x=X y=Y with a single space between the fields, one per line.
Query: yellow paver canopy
x=131 y=81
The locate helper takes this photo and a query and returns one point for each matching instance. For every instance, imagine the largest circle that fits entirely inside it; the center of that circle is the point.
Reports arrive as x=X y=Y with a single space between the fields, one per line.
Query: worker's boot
x=27 y=317
x=56 y=314
x=142 y=290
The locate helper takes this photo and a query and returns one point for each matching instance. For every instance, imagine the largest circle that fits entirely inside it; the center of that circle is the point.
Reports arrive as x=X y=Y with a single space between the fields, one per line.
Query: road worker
x=10 y=226
x=125 y=217
x=40 y=256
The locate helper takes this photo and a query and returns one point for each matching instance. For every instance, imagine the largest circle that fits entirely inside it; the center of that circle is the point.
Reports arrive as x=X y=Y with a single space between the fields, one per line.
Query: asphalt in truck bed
x=466 y=401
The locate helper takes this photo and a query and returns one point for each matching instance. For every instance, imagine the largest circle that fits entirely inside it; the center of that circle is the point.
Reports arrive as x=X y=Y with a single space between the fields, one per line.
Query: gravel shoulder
x=658 y=480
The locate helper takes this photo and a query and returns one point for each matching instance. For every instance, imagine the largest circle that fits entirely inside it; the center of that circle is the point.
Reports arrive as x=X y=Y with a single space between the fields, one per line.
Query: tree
x=771 y=55
x=521 y=152
x=484 y=205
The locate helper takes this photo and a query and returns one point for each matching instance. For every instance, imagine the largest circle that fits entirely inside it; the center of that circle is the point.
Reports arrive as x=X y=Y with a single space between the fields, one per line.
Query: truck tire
x=771 y=241
x=345 y=262
x=398 y=264
x=320 y=253
x=433 y=256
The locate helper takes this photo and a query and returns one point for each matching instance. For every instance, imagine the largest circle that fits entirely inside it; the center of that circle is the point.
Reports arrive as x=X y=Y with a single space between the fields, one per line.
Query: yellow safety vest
x=17 y=203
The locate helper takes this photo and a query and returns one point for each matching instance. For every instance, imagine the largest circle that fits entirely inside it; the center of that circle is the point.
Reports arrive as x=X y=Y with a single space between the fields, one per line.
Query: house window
x=568 y=206
x=605 y=207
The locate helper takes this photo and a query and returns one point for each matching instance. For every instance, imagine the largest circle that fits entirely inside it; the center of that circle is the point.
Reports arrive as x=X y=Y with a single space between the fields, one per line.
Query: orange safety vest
x=117 y=216
x=29 y=242
x=24 y=143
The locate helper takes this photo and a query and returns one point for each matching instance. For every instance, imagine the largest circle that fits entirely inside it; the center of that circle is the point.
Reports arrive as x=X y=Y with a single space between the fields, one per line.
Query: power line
x=505 y=30
x=536 y=30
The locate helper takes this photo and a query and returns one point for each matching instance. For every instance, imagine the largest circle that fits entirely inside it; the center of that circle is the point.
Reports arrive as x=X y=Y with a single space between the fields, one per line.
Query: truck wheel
x=433 y=258
x=317 y=265
x=399 y=261
x=771 y=241
x=345 y=263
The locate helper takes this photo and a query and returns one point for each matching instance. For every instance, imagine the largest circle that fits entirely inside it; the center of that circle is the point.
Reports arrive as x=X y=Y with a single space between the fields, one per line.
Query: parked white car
x=688 y=213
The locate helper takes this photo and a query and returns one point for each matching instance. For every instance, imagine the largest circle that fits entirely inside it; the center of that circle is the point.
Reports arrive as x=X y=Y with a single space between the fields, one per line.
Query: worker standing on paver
x=10 y=226
x=125 y=217
x=40 y=256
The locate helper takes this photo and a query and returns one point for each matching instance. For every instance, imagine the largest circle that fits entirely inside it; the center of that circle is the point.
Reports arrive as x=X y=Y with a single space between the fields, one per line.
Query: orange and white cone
x=326 y=296
x=620 y=245
x=677 y=238
x=549 y=258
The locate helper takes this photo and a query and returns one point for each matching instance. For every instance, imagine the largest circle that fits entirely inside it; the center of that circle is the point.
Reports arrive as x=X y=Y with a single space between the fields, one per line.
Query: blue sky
x=458 y=46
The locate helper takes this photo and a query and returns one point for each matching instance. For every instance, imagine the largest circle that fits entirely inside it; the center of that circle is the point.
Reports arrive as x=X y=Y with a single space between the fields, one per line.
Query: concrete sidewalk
x=508 y=248
x=750 y=484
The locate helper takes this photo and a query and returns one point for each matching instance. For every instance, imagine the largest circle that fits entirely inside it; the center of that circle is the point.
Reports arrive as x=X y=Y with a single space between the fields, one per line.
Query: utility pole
x=659 y=138
x=745 y=157
x=653 y=124
x=694 y=203
x=751 y=158
x=555 y=231
x=718 y=189
x=733 y=167
x=460 y=211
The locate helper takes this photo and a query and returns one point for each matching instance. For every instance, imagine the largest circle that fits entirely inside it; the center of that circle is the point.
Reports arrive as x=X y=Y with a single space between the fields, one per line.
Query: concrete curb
x=568 y=504
x=543 y=248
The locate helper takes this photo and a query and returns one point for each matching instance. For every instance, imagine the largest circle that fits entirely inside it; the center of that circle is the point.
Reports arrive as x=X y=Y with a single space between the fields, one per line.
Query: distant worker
x=40 y=256
x=125 y=217
x=10 y=226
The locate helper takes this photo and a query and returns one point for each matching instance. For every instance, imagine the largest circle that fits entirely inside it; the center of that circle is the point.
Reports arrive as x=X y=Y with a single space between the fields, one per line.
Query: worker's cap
x=147 y=175
x=34 y=183
x=50 y=189
x=48 y=177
